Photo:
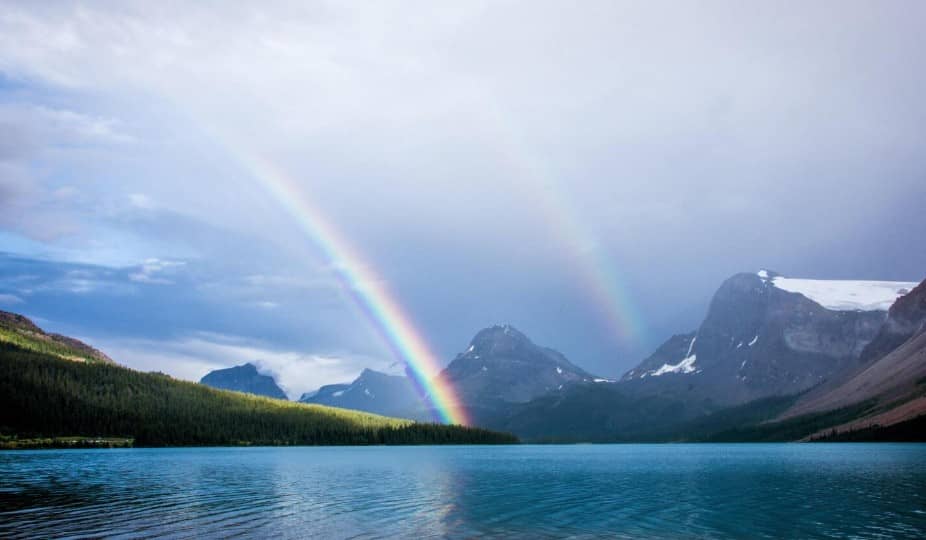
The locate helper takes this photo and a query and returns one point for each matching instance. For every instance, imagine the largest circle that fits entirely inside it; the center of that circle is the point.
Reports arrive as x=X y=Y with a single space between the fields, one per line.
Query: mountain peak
x=497 y=339
x=504 y=365
x=244 y=378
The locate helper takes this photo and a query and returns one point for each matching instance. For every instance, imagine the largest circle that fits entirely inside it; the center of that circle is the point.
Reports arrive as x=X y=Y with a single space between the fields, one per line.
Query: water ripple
x=624 y=491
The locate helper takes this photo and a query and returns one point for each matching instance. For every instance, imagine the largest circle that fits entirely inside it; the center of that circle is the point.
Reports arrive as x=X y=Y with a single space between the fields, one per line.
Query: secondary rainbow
x=366 y=288
x=542 y=188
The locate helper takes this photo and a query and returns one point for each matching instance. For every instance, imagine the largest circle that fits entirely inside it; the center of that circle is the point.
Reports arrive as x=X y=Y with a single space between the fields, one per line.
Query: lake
x=633 y=491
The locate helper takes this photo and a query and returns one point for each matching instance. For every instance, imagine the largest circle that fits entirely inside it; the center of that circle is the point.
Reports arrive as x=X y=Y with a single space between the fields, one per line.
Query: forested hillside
x=42 y=395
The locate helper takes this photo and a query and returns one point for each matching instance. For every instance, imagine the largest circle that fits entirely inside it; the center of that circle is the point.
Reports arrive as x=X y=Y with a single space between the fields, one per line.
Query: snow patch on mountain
x=687 y=365
x=843 y=294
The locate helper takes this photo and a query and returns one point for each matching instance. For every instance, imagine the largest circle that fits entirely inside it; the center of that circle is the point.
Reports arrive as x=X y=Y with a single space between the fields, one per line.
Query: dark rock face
x=373 y=392
x=758 y=340
x=244 y=378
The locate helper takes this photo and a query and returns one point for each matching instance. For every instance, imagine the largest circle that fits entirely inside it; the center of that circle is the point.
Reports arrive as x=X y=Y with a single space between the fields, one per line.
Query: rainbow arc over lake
x=368 y=290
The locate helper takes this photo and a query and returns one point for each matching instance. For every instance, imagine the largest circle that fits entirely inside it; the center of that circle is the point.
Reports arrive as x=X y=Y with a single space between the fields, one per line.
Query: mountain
x=375 y=392
x=502 y=367
x=244 y=378
x=19 y=330
x=766 y=342
x=47 y=396
x=767 y=335
x=890 y=381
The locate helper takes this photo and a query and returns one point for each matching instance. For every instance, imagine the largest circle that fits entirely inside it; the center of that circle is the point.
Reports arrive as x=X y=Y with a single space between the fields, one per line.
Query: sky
x=587 y=174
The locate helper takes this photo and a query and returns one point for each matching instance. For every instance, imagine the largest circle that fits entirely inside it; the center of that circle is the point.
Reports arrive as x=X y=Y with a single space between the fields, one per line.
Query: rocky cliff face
x=891 y=374
x=244 y=378
x=906 y=318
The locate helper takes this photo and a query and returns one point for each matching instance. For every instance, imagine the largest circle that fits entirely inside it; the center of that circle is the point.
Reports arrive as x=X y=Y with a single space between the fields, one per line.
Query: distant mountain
x=502 y=367
x=375 y=392
x=767 y=335
x=244 y=378
x=19 y=330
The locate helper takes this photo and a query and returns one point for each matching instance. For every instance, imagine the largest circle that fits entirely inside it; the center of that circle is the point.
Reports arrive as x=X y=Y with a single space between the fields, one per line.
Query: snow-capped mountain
x=766 y=334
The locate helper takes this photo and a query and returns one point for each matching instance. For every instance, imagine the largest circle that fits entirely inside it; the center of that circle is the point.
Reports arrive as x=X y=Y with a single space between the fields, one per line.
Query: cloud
x=10 y=299
x=191 y=357
x=31 y=199
x=142 y=201
x=152 y=270
x=715 y=139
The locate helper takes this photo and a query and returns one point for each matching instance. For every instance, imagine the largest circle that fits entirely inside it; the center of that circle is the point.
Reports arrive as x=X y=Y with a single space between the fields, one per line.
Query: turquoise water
x=664 y=491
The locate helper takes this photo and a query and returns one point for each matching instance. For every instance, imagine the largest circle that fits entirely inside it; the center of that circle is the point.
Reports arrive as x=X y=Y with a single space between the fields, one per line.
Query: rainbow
x=604 y=282
x=367 y=290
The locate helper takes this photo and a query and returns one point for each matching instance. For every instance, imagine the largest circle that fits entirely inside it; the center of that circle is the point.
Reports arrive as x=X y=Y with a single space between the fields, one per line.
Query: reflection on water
x=671 y=491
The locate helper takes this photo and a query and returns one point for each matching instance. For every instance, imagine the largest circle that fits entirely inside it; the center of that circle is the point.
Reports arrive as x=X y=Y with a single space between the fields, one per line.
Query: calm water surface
x=666 y=491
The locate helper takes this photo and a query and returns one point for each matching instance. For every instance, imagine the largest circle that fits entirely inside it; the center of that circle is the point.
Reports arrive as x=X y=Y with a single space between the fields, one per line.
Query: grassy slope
x=42 y=395
x=23 y=333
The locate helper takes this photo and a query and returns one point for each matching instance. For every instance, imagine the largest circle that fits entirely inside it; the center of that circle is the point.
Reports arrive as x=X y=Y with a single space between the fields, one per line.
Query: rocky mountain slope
x=244 y=378
x=891 y=375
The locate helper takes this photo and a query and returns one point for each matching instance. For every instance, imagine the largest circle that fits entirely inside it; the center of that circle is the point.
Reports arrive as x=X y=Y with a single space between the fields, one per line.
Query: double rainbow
x=367 y=290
